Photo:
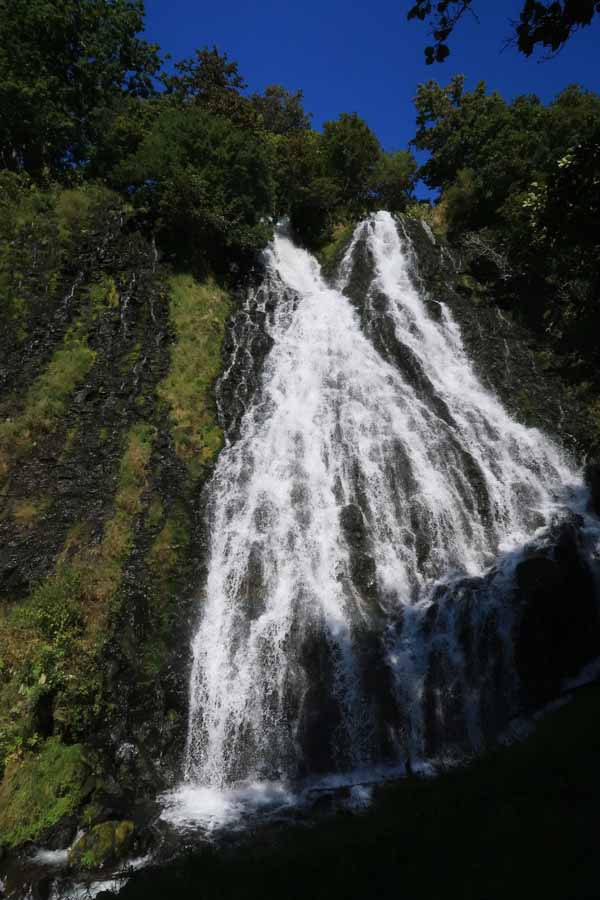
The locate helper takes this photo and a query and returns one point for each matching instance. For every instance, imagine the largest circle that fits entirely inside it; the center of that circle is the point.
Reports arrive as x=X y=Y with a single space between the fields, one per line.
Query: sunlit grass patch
x=198 y=315
x=39 y=790
x=47 y=397
x=27 y=512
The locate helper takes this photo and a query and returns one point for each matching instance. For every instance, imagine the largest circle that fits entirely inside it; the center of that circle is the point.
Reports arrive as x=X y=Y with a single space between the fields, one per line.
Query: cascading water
x=368 y=483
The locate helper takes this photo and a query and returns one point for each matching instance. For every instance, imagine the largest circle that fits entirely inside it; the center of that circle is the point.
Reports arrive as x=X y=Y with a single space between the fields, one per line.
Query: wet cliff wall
x=107 y=432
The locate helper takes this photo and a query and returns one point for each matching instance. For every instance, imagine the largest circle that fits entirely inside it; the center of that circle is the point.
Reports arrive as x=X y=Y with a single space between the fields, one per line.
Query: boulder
x=102 y=845
x=559 y=628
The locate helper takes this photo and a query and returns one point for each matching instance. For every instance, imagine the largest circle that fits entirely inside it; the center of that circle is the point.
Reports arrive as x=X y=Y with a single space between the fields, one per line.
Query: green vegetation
x=103 y=153
x=520 y=192
x=208 y=167
x=332 y=253
x=27 y=512
x=46 y=399
x=41 y=228
x=198 y=315
x=165 y=551
x=50 y=641
x=166 y=564
x=103 y=844
x=61 y=64
x=38 y=791
x=104 y=293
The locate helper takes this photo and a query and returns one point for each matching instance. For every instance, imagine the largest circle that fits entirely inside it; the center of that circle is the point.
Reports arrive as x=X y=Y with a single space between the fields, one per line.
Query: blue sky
x=365 y=57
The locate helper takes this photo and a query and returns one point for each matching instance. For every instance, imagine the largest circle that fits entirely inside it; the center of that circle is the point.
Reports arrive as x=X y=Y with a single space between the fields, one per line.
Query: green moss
x=165 y=564
x=468 y=285
x=131 y=358
x=75 y=208
x=198 y=314
x=51 y=639
x=39 y=790
x=105 y=843
x=331 y=254
x=27 y=512
x=46 y=399
x=104 y=294
x=155 y=513
x=170 y=542
x=70 y=439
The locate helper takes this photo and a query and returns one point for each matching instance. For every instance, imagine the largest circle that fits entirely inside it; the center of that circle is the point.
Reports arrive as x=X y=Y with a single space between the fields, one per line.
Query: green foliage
x=165 y=564
x=198 y=315
x=393 y=180
x=210 y=81
x=47 y=397
x=351 y=153
x=165 y=551
x=281 y=111
x=38 y=791
x=207 y=184
x=521 y=189
x=39 y=230
x=51 y=640
x=331 y=254
x=104 y=293
x=59 y=61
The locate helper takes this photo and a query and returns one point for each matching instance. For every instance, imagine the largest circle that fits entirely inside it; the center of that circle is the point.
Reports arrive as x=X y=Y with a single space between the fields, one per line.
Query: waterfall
x=368 y=487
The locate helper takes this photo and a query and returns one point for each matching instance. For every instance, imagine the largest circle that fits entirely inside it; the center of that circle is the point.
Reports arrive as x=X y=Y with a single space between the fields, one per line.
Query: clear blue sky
x=364 y=56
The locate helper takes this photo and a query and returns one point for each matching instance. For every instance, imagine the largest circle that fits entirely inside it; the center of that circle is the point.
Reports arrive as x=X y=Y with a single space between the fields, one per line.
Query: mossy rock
x=40 y=790
x=102 y=845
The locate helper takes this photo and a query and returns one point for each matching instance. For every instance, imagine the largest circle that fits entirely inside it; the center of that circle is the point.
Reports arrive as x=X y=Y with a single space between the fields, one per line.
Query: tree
x=210 y=80
x=351 y=154
x=205 y=184
x=546 y=24
x=60 y=60
x=520 y=191
x=394 y=179
x=281 y=111
x=504 y=146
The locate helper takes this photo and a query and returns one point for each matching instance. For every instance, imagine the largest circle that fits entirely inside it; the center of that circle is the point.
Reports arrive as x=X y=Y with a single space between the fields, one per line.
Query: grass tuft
x=198 y=315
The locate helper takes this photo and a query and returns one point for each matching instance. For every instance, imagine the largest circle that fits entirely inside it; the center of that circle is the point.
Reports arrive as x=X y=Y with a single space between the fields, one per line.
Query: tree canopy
x=83 y=96
x=59 y=61
x=519 y=189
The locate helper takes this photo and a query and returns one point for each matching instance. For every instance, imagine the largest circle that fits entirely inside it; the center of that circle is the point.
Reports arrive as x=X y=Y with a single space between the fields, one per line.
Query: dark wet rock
x=362 y=563
x=320 y=717
x=592 y=479
x=559 y=631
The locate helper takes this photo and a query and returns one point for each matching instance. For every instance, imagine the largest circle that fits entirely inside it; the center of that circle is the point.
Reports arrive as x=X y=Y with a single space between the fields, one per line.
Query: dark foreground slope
x=520 y=823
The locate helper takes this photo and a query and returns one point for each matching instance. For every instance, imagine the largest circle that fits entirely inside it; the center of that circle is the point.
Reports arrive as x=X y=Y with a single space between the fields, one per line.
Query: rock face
x=100 y=516
x=592 y=477
x=61 y=497
x=559 y=631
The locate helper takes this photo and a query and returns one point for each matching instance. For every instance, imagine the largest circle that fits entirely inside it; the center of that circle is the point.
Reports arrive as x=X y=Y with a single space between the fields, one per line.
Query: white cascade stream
x=348 y=496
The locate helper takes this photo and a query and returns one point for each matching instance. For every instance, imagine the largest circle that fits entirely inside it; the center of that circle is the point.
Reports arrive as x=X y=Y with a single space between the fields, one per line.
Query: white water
x=439 y=483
